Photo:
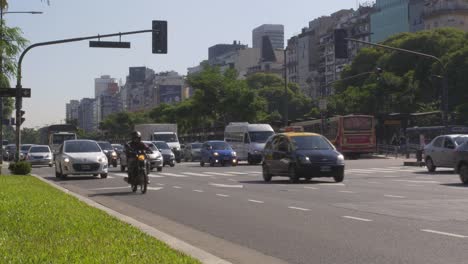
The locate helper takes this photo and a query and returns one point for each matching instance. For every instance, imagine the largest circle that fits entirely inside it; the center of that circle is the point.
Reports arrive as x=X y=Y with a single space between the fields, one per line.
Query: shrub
x=20 y=168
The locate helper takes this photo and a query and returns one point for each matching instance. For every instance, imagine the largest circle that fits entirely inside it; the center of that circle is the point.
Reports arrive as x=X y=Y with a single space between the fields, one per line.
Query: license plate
x=85 y=167
x=325 y=168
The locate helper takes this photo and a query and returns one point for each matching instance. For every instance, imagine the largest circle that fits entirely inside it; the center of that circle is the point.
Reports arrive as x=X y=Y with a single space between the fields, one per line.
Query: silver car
x=441 y=151
x=155 y=159
x=40 y=155
x=79 y=157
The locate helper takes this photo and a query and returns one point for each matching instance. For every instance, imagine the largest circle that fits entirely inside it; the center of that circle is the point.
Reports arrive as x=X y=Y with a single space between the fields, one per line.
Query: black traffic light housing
x=159 y=37
x=341 y=44
x=22 y=112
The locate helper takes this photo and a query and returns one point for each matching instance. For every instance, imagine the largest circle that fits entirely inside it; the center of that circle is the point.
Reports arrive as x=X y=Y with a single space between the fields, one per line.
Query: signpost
x=11 y=92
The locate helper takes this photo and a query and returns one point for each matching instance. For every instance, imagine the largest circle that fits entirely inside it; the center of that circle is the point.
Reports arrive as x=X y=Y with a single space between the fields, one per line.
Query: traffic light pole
x=445 y=102
x=19 y=98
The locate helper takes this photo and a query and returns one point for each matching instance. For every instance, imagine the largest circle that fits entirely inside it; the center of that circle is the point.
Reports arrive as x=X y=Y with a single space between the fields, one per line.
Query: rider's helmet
x=136 y=136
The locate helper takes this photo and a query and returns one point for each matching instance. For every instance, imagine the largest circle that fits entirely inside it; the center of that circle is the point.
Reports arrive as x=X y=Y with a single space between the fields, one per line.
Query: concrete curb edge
x=171 y=241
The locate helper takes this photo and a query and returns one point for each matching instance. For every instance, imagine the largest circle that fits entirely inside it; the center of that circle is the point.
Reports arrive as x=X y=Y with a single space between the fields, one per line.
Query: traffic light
x=159 y=37
x=22 y=112
x=341 y=44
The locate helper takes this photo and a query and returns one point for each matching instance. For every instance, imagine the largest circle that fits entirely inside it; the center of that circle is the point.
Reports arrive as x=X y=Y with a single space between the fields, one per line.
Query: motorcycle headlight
x=304 y=160
x=141 y=157
x=66 y=160
x=234 y=153
x=114 y=154
x=215 y=154
x=340 y=159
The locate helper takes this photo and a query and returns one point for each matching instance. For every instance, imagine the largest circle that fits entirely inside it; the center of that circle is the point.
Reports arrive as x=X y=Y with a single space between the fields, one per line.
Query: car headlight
x=304 y=159
x=114 y=154
x=234 y=153
x=102 y=159
x=215 y=154
x=340 y=159
x=66 y=160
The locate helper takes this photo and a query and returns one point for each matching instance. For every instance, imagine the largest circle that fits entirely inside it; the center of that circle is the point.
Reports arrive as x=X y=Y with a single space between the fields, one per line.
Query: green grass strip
x=40 y=224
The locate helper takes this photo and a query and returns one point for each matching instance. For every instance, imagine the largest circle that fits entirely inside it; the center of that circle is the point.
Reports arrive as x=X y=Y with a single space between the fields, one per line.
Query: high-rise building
x=139 y=89
x=390 y=18
x=71 y=110
x=273 y=31
x=169 y=88
x=446 y=13
x=102 y=84
x=221 y=49
x=87 y=115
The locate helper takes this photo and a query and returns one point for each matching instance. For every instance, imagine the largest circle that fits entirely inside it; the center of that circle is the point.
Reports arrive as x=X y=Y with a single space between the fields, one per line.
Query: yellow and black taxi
x=296 y=154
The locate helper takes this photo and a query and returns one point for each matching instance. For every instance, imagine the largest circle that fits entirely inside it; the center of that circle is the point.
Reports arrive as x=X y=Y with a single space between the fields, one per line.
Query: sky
x=60 y=73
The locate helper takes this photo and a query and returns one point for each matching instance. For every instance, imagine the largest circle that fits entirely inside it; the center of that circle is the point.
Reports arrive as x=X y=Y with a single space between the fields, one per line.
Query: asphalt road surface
x=381 y=213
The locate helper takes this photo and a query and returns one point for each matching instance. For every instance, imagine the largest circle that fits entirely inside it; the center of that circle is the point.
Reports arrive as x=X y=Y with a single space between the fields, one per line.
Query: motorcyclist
x=130 y=148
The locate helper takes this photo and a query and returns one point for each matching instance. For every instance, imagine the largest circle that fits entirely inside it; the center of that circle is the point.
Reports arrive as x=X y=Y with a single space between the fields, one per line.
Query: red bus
x=352 y=135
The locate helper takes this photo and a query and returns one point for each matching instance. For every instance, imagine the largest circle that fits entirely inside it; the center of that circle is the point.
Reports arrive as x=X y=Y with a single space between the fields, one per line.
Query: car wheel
x=212 y=163
x=122 y=168
x=308 y=178
x=293 y=177
x=114 y=164
x=266 y=173
x=464 y=173
x=249 y=160
x=51 y=165
x=172 y=164
x=430 y=165
x=57 y=174
x=338 y=177
x=159 y=169
x=202 y=163
x=103 y=175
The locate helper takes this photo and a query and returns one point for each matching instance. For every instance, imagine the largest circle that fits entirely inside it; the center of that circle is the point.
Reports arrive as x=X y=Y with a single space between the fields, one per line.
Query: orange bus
x=352 y=135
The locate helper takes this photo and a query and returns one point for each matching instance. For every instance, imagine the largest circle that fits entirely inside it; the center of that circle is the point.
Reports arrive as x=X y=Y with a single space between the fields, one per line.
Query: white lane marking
x=173 y=175
x=196 y=174
x=394 y=196
x=110 y=177
x=357 y=218
x=232 y=180
x=412 y=181
x=362 y=172
x=255 y=201
x=312 y=188
x=200 y=191
x=154 y=188
x=226 y=185
x=160 y=184
x=218 y=174
x=238 y=173
x=373 y=182
x=176 y=187
x=254 y=172
x=414 y=185
x=120 y=174
x=110 y=188
x=283 y=185
x=298 y=208
x=443 y=233
x=222 y=195
x=331 y=184
x=156 y=176
x=346 y=192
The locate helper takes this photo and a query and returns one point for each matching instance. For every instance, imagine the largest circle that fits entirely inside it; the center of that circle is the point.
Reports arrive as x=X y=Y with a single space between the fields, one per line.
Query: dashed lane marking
x=394 y=196
x=254 y=172
x=346 y=192
x=256 y=201
x=173 y=175
x=226 y=185
x=110 y=188
x=238 y=173
x=222 y=195
x=443 y=233
x=298 y=208
x=413 y=181
x=200 y=191
x=196 y=174
x=155 y=188
x=218 y=174
x=357 y=218
x=331 y=184
x=176 y=187
x=311 y=188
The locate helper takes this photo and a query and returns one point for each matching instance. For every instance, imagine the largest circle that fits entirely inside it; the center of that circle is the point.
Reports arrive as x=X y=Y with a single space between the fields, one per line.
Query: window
x=310 y=143
x=274 y=143
x=165 y=137
x=283 y=145
x=196 y=146
x=162 y=145
x=39 y=149
x=220 y=146
x=260 y=136
x=449 y=143
x=246 y=138
x=105 y=145
x=438 y=142
x=81 y=147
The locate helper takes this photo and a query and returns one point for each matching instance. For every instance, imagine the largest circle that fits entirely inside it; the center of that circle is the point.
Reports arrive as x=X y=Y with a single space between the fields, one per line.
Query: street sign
x=11 y=92
x=109 y=44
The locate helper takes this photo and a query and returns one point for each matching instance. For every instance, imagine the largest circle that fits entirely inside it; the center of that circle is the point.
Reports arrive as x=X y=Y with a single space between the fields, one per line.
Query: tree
x=30 y=136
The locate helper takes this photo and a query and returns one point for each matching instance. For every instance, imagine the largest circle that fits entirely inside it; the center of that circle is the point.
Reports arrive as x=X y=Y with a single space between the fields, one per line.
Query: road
x=381 y=213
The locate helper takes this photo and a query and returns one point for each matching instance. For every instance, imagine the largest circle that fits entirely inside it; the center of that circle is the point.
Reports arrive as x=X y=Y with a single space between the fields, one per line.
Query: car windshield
x=39 y=149
x=151 y=146
x=81 y=147
x=105 y=146
x=310 y=143
x=260 y=136
x=58 y=139
x=162 y=145
x=118 y=147
x=197 y=145
x=460 y=140
x=25 y=148
x=165 y=137
x=220 y=146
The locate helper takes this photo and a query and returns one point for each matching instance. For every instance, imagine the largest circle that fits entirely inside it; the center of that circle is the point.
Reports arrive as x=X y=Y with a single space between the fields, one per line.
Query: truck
x=162 y=132
x=55 y=135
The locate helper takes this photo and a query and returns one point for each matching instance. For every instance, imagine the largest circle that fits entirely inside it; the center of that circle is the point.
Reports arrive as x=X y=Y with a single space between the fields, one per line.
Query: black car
x=109 y=151
x=301 y=155
x=461 y=162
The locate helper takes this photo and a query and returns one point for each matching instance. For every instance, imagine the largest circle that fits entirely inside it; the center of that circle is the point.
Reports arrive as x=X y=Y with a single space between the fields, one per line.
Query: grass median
x=40 y=224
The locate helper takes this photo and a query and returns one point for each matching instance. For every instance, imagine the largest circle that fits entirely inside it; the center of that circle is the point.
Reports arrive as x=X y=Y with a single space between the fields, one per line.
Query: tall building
x=390 y=18
x=87 y=115
x=139 y=89
x=169 y=88
x=102 y=84
x=71 y=110
x=273 y=31
x=446 y=13
x=415 y=16
x=221 y=49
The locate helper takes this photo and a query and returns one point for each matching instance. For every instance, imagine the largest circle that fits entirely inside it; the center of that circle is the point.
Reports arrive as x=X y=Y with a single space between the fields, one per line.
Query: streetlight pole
x=1 y=66
x=286 y=102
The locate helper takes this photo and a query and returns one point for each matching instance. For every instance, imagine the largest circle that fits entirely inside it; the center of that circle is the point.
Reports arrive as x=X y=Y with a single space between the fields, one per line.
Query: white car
x=80 y=157
x=40 y=155
x=441 y=152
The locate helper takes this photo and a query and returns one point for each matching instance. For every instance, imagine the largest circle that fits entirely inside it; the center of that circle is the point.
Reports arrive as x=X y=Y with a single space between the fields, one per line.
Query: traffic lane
x=236 y=218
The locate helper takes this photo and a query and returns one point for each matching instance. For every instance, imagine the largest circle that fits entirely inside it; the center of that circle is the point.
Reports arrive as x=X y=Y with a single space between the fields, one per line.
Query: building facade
x=71 y=110
x=87 y=115
x=275 y=33
x=139 y=89
x=446 y=13
x=102 y=84
x=390 y=18
x=169 y=88
x=221 y=49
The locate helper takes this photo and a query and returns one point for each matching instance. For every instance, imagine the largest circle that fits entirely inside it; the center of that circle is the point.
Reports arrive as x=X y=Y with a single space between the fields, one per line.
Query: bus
x=352 y=135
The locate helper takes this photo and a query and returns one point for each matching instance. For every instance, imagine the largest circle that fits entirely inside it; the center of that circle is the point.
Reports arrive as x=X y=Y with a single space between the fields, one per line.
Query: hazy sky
x=59 y=73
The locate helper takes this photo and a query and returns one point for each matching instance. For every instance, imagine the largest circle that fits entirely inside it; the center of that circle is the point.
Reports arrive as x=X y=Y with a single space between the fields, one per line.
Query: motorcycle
x=141 y=177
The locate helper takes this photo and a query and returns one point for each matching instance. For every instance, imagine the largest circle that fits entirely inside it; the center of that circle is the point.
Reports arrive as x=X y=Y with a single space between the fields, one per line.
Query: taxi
x=297 y=154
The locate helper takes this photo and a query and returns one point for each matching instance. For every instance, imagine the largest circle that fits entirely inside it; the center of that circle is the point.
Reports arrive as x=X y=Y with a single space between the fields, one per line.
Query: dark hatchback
x=111 y=154
x=301 y=155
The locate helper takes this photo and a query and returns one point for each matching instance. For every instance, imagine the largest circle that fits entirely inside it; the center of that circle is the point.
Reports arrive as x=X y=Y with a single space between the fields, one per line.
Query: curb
x=171 y=241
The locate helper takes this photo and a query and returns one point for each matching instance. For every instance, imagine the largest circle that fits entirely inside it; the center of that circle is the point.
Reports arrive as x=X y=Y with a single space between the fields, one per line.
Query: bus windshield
x=357 y=123
x=165 y=137
x=60 y=138
x=260 y=136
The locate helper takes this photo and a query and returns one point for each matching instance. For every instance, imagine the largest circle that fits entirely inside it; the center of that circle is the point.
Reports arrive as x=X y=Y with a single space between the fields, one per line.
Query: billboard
x=170 y=94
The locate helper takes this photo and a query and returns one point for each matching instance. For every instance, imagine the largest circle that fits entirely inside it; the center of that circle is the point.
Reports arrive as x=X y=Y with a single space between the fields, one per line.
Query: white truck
x=162 y=132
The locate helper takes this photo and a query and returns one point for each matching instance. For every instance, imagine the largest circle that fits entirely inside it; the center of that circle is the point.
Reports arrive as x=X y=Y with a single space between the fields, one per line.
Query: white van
x=248 y=140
